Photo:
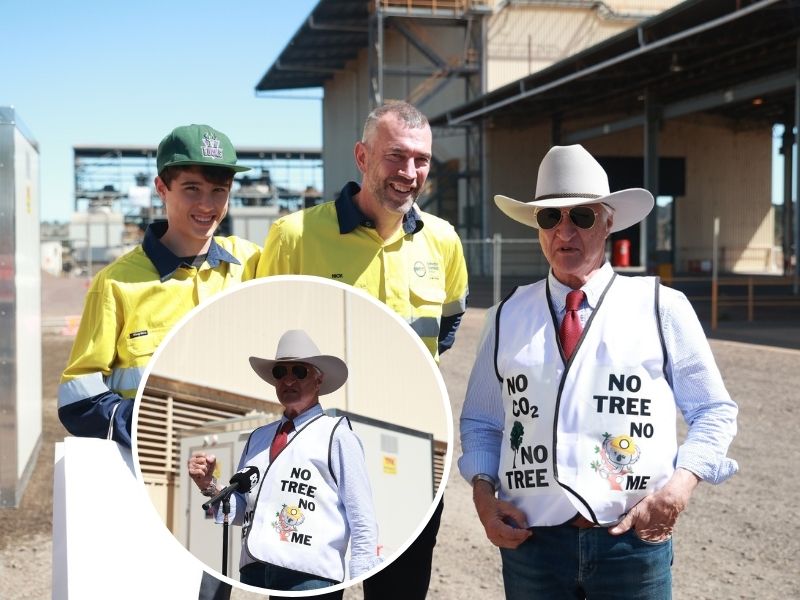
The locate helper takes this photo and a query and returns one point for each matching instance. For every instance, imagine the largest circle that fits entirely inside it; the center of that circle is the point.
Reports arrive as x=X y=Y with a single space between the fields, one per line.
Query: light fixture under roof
x=674 y=65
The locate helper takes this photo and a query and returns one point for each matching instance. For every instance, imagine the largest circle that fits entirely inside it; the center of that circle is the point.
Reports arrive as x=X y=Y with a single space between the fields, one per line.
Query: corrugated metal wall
x=527 y=36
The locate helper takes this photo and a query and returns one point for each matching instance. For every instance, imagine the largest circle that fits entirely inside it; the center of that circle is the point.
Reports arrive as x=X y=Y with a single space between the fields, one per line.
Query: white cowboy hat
x=570 y=176
x=296 y=346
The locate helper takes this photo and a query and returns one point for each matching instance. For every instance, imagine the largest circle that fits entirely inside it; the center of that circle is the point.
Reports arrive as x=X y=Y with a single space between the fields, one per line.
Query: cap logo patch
x=211 y=147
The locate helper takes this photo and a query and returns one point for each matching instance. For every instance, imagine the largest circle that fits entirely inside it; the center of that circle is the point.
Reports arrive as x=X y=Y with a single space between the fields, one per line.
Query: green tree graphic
x=516 y=439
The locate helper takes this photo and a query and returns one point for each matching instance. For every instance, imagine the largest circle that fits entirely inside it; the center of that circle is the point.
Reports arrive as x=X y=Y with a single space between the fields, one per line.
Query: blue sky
x=94 y=72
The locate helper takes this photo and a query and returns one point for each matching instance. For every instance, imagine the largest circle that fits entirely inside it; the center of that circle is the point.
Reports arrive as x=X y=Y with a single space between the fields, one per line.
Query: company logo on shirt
x=433 y=269
x=137 y=334
x=419 y=269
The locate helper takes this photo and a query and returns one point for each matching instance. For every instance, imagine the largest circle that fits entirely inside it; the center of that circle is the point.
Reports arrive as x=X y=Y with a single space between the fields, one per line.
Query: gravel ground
x=732 y=542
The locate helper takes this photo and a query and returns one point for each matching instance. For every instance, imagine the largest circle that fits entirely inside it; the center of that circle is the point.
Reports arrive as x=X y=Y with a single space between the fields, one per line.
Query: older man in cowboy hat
x=314 y=496
x=568 y=427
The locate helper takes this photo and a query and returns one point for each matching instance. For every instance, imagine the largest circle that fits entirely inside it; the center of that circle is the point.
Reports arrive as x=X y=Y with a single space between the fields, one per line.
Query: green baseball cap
x=197 y=145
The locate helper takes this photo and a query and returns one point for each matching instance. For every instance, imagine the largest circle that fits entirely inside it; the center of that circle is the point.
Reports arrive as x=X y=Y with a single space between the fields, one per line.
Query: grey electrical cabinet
x=20 y=307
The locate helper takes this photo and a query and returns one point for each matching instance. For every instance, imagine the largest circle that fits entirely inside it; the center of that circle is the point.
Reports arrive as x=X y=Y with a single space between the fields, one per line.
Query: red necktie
x=281 y=437
x=571 y=327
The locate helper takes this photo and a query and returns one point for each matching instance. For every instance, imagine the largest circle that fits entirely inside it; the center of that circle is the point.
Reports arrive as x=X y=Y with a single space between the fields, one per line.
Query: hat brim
x=630 y=206
x=198 y=163
x=333 y=368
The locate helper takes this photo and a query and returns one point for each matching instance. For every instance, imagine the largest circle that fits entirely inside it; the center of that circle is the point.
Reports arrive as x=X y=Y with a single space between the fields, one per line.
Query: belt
x=581 y=522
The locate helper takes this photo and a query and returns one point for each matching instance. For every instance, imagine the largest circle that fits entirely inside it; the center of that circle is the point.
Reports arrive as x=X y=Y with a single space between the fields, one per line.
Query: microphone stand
x=225 y=497
x=239 y=482
x=226 y=509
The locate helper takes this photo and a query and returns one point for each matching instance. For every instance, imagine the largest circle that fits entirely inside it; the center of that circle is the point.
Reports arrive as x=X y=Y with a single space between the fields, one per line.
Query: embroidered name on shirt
x=137 y=334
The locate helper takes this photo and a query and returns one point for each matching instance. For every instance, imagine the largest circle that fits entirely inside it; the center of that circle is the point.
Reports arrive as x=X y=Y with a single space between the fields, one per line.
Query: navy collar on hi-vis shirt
x=350 y=216
x=166 y=263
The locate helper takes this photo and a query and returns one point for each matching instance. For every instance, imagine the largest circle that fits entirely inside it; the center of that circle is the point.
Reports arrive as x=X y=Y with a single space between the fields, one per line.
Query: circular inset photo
x=293 y=434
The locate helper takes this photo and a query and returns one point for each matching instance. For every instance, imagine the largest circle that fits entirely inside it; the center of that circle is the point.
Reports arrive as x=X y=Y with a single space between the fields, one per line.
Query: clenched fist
x=201 y=469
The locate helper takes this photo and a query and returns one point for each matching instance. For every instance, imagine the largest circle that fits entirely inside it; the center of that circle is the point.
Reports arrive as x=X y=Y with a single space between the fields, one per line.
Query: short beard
x=379 y=192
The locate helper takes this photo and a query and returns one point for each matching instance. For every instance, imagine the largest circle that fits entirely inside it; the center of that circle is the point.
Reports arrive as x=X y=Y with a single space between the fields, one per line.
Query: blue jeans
x=273 y=577
x=564 y=562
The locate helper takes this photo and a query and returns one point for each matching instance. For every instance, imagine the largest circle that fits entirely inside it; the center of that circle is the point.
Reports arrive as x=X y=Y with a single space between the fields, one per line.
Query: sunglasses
x=582 y=217
x=281 y=371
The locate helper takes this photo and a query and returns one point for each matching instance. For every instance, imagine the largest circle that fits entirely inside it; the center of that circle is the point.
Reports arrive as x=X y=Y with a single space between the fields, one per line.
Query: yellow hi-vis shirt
x=128 y=310
x=422 y=276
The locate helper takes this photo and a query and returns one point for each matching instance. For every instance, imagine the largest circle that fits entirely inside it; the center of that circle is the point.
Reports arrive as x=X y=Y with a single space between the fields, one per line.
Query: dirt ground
x=736 y=540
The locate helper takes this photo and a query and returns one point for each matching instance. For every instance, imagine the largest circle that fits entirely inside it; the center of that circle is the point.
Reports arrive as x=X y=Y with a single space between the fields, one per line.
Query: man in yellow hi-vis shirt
x=134 y=301
x=374 y=237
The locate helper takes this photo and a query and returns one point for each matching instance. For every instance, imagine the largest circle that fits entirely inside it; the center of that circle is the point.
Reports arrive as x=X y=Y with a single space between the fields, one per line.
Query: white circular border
x=277 y=280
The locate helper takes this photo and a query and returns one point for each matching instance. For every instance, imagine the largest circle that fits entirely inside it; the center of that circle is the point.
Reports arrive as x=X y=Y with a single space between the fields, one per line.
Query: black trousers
x=212 y=588
x=409 y=576
x=329 y=596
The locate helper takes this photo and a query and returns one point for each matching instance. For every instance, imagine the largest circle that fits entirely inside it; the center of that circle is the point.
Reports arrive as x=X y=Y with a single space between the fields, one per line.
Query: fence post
x=497 y=261
x=714 y=273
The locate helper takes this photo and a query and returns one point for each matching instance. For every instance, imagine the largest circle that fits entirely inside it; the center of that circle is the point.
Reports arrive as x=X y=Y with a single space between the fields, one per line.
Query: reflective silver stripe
x=111 y=422
x=456 y=307
x=425 y=326
x=123 y=380
x=81 y=388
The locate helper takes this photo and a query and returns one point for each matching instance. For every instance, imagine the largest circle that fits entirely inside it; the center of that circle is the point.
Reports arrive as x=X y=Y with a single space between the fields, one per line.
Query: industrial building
x=115 y=197
x=680 y=99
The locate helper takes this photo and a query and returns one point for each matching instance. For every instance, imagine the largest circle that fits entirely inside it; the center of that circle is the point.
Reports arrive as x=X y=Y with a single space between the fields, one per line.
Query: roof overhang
x=330 y=36
x=739 y=59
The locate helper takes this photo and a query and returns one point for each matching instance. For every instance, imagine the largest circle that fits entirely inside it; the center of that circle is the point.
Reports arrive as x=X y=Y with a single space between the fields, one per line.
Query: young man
x=134 y=301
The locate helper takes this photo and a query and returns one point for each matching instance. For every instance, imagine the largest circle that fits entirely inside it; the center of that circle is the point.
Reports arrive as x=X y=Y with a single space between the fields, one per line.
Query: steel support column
x=375 y=57
x=469 y=213
x=647 y=246
x=787 y=226
x=796 y=286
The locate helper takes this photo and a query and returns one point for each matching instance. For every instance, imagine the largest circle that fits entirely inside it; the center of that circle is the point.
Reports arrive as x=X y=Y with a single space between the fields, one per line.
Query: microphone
x=242 y=481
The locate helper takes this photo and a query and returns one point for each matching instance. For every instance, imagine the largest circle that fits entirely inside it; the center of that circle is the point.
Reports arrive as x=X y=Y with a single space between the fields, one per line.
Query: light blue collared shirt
x=697 y=385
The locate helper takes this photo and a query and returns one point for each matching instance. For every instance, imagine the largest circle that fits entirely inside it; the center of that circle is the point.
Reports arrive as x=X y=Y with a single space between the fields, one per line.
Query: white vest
x=296 y=519
x=596 y=434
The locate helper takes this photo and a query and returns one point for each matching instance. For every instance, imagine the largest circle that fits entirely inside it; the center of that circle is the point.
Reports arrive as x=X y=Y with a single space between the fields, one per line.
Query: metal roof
x=330 y=36
x=734 y=57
